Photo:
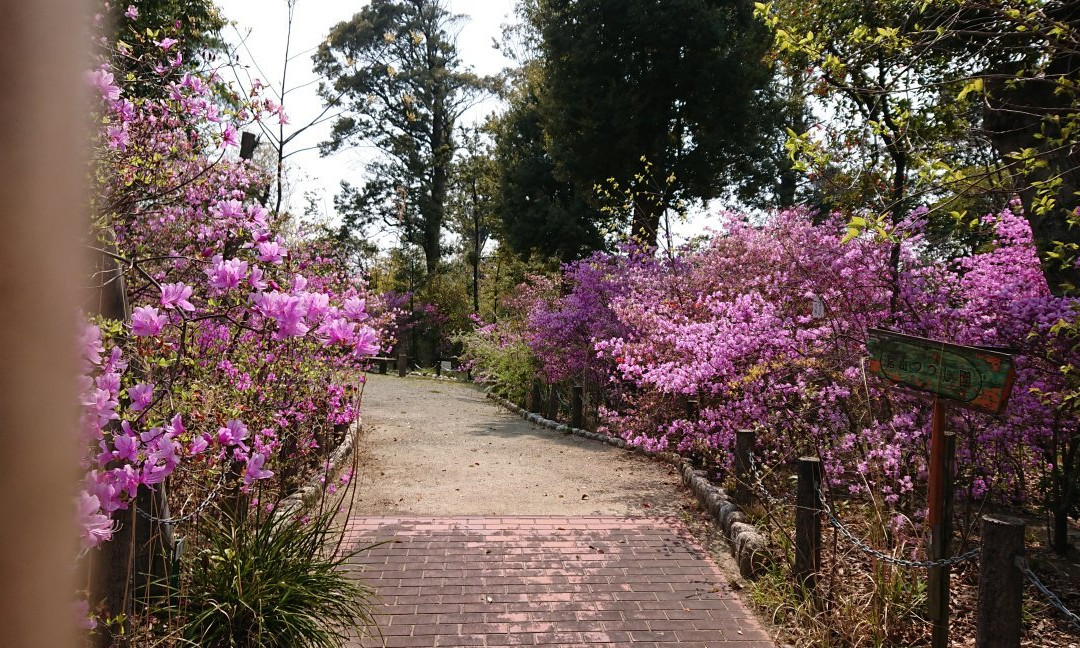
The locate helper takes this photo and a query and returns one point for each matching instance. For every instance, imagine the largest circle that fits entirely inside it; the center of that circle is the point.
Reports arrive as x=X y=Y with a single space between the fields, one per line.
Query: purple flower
x=147 y=321
x=166 y=43
x=141 y=396
x=176 y=295
x=132 y=12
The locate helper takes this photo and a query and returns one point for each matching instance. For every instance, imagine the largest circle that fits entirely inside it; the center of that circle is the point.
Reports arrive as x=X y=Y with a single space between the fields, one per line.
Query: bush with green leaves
x=280 y=581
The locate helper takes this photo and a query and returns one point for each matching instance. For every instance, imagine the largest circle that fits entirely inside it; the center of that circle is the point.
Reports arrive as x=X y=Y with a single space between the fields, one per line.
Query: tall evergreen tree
x=395 y=71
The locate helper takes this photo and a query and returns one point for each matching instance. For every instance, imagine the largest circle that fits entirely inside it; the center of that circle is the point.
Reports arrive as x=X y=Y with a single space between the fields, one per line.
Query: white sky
x=261 y=25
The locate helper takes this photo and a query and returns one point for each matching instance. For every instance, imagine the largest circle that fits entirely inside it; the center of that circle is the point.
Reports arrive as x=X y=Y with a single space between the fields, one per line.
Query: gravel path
x=441 y=448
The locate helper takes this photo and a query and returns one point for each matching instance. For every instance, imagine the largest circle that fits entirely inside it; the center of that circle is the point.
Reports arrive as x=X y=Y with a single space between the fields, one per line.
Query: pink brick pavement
x=548 y=581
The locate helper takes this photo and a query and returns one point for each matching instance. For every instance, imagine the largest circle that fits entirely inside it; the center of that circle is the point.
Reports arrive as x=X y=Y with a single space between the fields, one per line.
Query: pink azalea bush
x=235 y=343
x=731 y=325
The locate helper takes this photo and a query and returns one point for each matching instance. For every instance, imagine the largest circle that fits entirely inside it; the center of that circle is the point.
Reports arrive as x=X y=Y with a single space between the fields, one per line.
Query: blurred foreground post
x=43 y=121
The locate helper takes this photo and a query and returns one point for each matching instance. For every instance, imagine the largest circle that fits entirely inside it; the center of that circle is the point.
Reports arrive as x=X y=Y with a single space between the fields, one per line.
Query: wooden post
x=938 y=578
x=744 y=446
x=577 y=403
x=1000 y=583
x=402 y=365
x=438 y=366
x=808 y=523
x=536 y=401
x=553 y=402
x=692 y=409
x=939 y=497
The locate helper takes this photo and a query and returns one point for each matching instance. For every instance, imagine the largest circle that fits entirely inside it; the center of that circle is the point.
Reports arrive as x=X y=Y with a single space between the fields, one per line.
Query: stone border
x=307 y=495
x=746 y=542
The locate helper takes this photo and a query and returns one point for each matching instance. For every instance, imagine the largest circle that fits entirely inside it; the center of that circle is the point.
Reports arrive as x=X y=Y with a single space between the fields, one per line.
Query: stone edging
x=303 y=498
x=746 y=542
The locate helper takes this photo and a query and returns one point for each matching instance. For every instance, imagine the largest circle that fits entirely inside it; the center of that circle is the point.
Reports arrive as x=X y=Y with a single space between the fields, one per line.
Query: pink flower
x=141 y=396
x=271 y=252
x=255 y=469
x=103 y=80
x=234 y=433
x=147 y=321
x=355 y=309
x=176 y=295
x=96 y=526
x=228 y=136
x=166 y=43
x=225 y=275
x=367 y=342
x=337 y=330
x=83 y=619
x=126 y=447
x=132 y=12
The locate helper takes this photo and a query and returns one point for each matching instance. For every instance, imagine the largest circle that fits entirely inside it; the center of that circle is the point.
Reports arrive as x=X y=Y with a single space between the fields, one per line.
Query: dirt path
x=442 y=448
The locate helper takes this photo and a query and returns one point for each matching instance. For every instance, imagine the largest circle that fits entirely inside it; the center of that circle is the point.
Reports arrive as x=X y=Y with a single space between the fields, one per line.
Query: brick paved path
x=548 y=581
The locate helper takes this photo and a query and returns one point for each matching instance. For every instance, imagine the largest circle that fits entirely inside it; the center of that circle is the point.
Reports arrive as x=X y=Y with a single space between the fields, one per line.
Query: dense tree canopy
x=681 y=84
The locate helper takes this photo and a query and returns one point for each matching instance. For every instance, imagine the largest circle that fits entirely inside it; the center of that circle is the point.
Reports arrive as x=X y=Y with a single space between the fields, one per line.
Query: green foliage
x=196 y=24
x=957 y=104
x=682 y=83
x=540 y=213
x=505 y=364
x=277 y=582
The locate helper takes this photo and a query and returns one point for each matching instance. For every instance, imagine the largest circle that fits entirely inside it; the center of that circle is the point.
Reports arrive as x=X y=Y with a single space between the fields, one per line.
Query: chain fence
x=180 y=519
x=759 y=486
x=889 y=558
x=1055 y=602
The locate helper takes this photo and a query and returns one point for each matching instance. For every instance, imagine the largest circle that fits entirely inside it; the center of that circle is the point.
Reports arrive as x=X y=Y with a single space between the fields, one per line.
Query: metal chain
x=880 y=555
x=759 y=486
x=191 y=514
x=1022 y=565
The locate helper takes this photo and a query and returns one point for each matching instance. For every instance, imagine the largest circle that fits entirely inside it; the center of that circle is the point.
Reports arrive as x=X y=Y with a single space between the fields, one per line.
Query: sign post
x=956 y=376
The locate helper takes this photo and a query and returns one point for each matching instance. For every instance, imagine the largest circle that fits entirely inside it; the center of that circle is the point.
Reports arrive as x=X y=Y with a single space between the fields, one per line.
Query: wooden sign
x=972 y=377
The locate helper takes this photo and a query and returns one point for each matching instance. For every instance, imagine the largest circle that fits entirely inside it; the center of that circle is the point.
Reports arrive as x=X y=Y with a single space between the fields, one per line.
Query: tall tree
x=681 y=84
x=539 y=212
x=472 y=204
x=394 y=69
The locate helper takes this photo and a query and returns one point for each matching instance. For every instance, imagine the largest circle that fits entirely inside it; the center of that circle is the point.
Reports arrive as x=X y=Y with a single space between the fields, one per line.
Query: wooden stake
x=942 y=452
x=808 y=523
x=1001 y=583
x=744 y=446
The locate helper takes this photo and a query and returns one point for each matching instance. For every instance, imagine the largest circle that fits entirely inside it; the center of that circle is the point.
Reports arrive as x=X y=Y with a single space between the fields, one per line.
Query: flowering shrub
x=223 y=345
x=732 y=326
x=498 y=353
